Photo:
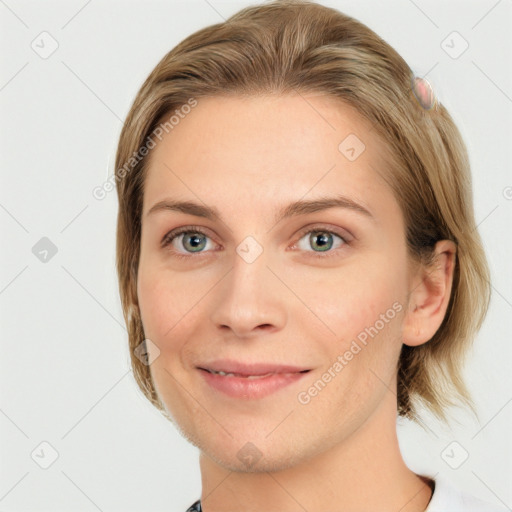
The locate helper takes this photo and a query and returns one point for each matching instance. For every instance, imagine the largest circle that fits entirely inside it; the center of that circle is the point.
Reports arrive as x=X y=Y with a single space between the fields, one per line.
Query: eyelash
x=169 y=237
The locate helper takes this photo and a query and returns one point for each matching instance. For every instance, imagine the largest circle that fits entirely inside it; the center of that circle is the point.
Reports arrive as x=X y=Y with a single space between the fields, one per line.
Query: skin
x=248 y=157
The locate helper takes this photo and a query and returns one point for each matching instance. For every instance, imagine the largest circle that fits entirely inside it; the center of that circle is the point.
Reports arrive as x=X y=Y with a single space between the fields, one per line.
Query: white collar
x=447 y=498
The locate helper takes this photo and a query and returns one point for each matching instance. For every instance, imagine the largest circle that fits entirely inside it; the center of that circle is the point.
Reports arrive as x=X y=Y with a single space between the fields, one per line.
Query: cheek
x=160 y=305
x=167 y=318
x=152 y=297
x=348 y=300
x=363 y=308
x=171 y=310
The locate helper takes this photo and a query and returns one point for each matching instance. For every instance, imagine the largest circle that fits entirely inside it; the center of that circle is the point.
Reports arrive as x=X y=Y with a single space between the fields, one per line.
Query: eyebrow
x=300 y=207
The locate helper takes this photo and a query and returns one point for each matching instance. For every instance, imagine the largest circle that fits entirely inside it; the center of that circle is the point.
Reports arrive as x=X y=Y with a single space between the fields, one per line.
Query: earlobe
x=430 y=295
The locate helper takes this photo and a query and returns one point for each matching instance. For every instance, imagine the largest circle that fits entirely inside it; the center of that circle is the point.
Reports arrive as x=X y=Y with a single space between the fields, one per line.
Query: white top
x=447 y=498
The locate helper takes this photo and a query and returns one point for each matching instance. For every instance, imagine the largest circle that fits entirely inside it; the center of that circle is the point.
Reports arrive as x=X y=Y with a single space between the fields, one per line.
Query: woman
x=298 y=260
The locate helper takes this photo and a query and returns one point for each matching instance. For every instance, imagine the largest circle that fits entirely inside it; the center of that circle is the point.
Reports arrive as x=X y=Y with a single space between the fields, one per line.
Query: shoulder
x=447 y=498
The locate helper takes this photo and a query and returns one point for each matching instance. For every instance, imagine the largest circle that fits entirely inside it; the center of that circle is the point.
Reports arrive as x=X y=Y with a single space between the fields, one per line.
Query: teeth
x=224 y=374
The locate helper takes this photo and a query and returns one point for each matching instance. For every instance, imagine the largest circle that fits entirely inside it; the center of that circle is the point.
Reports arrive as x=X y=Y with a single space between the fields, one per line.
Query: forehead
x=251 y=150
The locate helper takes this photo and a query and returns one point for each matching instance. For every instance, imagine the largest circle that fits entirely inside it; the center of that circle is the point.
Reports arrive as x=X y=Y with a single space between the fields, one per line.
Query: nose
x=250 y=299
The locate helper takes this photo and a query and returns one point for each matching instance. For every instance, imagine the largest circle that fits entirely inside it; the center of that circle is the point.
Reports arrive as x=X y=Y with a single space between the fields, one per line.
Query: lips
x=238 y=369
x=249 y=381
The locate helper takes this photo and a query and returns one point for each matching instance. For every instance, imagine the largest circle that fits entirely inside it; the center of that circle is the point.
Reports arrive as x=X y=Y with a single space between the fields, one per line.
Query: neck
x=365 y=472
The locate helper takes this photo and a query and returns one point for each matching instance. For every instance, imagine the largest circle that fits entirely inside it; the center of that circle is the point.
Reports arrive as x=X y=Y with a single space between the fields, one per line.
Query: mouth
x=229 y=368
x=249 y=381
x=232 y=374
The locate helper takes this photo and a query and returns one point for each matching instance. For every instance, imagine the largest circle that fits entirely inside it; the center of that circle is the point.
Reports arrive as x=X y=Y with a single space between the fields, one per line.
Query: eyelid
x=336 y=230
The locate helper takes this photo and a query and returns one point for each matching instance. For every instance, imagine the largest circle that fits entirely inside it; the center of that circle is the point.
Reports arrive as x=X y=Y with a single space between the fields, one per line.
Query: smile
x=249 y=381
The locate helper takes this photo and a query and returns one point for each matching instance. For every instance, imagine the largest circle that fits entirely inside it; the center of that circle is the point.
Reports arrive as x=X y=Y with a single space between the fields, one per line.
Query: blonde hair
x=299 y=46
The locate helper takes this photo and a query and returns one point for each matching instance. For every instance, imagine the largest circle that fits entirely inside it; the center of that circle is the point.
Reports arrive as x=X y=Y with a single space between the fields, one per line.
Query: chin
x=259 y=463
x=240 y=455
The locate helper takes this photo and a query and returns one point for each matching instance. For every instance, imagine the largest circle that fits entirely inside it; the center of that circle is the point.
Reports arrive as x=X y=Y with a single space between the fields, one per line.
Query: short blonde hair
x=299 y=46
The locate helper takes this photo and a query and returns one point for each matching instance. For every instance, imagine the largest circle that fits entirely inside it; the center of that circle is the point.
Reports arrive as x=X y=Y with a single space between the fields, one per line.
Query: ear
x=430 y=295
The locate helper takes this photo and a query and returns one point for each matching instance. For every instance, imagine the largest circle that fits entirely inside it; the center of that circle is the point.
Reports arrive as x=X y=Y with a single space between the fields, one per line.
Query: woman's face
x=314 y=299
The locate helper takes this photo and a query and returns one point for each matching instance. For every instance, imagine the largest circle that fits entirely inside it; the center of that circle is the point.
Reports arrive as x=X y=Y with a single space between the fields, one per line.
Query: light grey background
x=65 y=375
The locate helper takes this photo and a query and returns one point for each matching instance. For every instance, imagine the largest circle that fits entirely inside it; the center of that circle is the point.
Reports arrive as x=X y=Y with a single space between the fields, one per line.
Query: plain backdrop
x=76 y=433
